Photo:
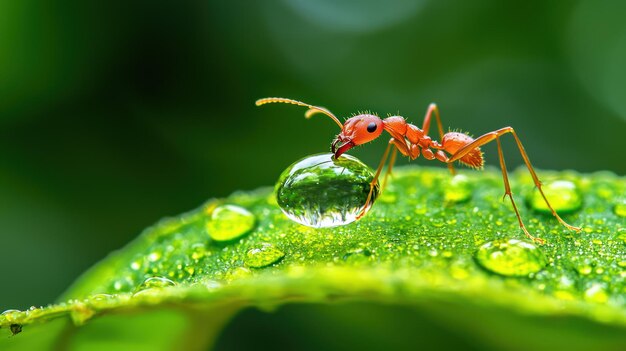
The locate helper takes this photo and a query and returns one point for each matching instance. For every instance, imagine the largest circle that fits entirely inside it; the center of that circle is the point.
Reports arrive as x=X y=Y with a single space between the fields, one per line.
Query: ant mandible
x=411 y=140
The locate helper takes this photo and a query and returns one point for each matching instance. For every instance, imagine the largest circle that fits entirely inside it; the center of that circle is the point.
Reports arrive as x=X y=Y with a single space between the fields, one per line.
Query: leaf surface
x=419 y=248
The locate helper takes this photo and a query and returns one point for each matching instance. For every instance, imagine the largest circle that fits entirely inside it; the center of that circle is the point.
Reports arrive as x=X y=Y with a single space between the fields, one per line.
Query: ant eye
x=371 y=127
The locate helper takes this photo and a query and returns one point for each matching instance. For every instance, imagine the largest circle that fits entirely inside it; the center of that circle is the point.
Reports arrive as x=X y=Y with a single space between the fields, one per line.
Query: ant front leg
x=383 y=160
x=392 y=161
x=486 y=138
x=433 y=109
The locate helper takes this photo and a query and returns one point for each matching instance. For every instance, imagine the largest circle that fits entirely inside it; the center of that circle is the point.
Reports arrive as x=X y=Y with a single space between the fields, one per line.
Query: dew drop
x=101 y=300
x=437 y=222
x=319 y=191
x=263 y=256
x=458 y=189
x=564 y=196
x=11 y=315
x=155 y=283
x=229 y=222
x=511 y=258
x=197 y=251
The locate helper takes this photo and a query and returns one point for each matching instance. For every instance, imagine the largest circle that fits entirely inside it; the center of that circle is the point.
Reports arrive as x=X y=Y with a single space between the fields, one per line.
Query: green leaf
x=433 y=245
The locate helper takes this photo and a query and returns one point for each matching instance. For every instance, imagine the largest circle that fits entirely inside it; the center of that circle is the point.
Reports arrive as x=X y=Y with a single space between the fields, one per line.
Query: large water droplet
x=511 y=258
x=263 y=256
x=564 y=196
x=319 y=191
x=229 y=222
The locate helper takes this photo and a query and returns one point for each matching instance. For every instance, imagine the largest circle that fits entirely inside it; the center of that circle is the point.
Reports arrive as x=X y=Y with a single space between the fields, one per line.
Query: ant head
x=357 y=130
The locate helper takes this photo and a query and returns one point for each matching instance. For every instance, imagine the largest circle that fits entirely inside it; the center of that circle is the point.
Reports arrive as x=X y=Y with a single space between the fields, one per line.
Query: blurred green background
x=115 y=114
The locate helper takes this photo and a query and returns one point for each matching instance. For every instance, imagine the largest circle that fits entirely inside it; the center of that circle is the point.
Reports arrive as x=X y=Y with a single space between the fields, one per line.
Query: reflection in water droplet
x=458 y=189
x=564 y=196
x=512 y=258
x=155 y=283
x=229 y=222
x=319 y=191
x=263 y=256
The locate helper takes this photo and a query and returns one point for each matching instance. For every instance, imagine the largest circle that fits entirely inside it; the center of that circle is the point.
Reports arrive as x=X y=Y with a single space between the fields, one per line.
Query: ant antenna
x=310 y=112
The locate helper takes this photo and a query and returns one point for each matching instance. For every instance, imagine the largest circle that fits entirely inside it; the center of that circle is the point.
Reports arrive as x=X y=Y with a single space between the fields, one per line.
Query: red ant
x=411 y=140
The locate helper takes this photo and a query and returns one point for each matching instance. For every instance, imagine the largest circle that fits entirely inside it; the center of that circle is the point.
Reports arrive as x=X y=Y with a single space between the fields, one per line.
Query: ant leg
x=375 y=180
x=412 y=152
x=486 y=138
x=538 y=183
x=392 y=161
x=507 y=192
x=433 y=109
x=409 y=151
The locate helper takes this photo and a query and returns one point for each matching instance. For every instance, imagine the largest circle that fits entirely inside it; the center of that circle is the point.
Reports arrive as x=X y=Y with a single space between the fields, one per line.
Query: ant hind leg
x=507 y=192
x=488 y=137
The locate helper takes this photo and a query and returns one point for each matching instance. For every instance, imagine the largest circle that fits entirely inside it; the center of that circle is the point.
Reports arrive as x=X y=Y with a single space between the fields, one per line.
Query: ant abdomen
x=454 y=141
